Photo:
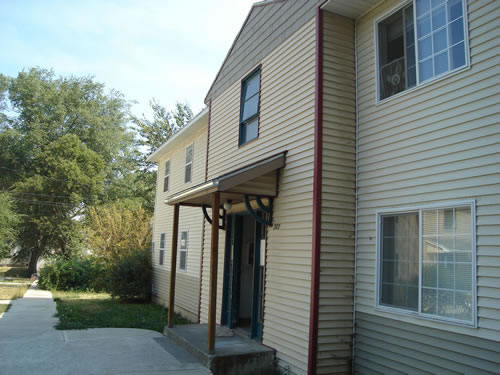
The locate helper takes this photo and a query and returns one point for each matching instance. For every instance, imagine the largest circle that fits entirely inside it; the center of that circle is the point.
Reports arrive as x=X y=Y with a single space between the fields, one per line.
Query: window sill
x=425 y=317
x=418 y=87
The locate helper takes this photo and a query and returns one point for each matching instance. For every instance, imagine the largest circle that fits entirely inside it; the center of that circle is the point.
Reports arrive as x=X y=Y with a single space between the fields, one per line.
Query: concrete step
x=233 y=354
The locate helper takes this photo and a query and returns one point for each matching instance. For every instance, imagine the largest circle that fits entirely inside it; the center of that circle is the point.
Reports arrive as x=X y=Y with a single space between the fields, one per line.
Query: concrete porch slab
x=234 y=354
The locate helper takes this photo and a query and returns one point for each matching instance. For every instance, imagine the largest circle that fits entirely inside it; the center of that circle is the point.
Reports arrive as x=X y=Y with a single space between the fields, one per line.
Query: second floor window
x=166 y=179
x=249 y=111
x=188 y=169
x=410 y=55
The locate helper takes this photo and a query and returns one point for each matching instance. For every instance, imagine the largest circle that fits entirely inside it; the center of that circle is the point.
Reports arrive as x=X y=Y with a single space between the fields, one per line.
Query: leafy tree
x=118 y=229
x=153 y=133
x=61 y=140
x=68 y=177
x=8 y=225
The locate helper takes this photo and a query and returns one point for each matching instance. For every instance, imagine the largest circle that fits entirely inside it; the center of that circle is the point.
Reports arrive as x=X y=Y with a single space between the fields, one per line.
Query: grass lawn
x=12 y=291
x=4 y=308
x=15 y=274
x=79 y=310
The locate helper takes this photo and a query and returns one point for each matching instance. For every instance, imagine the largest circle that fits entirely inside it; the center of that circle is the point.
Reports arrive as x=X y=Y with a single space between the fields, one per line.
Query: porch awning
x=259 y=178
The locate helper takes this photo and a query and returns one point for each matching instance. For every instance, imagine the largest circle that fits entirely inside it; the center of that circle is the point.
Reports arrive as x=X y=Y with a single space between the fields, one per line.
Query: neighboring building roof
x=268 y=24
x=197 y=123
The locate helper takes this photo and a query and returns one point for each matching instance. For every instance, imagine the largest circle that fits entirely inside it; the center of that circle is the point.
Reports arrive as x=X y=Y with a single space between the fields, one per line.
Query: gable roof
x=267 y=25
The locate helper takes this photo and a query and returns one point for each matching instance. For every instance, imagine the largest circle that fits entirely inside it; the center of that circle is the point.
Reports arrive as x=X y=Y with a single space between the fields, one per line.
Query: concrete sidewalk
x=29 y=344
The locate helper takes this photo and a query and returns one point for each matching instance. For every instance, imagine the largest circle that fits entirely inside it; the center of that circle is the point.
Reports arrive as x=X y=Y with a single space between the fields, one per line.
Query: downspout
x=203 y=224
x=317 y=190
x=356 y=104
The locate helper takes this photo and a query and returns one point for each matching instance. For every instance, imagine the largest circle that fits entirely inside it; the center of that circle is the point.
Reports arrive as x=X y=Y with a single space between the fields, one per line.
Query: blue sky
x=167 y=49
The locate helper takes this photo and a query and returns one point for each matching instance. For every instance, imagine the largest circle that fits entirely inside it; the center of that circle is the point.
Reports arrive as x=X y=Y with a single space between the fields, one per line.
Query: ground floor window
x=183 y=251
x=426 y=262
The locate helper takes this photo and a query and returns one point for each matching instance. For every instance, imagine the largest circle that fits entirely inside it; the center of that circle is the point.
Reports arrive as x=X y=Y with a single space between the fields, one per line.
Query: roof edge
x=255 y=5
x=155 y=156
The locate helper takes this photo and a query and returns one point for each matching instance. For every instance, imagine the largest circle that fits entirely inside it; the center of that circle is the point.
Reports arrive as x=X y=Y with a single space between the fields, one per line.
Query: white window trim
x=160 y=249
x=190 y=163
x=432 y=80
x=167 y=175
x=181 y=250
x=418 y=314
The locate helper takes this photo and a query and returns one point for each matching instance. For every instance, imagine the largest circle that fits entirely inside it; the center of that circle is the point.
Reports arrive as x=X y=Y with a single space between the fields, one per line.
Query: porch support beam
x=173 y=268
x=214 y=250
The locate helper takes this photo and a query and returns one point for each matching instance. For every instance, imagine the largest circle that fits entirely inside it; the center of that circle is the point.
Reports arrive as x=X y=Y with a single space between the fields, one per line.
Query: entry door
x=231 y=302
x=232 y=281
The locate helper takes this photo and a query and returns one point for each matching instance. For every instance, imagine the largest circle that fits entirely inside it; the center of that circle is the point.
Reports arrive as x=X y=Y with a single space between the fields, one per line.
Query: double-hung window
x=166 y=178
x=183 y=248
x=188 y=169
x=249 y=111
x=409 y=56
x=426 y=262
x=162 y=249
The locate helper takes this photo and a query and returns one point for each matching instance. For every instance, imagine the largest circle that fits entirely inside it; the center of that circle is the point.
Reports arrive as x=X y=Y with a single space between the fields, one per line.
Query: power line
x=51 y=178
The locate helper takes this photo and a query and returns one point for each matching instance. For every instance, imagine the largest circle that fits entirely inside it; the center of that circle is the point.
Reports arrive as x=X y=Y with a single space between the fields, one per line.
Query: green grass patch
x=14 y=274
x=12 y=291
x=4 y=308
x=80 y=310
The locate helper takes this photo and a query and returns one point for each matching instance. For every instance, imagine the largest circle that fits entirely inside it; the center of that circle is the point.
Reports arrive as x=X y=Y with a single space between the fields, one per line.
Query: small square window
x=409 y=56
x=188 y=169
x=166 y=179
x=249 y=111
x=183 y=249
x=162 y=241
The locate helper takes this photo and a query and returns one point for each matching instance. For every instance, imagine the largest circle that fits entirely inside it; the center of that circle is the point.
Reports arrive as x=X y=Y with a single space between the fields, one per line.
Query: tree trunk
x=34 y=256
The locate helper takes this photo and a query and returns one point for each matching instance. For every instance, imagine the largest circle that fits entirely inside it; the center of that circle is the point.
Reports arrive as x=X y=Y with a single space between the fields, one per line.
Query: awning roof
x=258 y=178
x=350 y=8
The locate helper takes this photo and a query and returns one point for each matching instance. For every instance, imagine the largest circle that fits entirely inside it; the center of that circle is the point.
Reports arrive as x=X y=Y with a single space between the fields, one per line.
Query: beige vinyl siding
x=286 y=123
x=267 y=26
x=434 y=144
x=383 y=347
x=338 y=197
x=190 y=220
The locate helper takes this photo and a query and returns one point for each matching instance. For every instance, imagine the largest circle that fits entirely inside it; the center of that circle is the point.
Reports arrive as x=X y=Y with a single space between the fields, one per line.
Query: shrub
x=130 y=277
x=73 y=274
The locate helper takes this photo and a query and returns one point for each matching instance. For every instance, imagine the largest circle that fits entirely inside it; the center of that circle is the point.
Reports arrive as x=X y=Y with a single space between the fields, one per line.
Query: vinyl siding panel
x=190 y=220
x=338 y=197
x=266 y=28
x=434 y=144
x=429 y=351
x=286 y=124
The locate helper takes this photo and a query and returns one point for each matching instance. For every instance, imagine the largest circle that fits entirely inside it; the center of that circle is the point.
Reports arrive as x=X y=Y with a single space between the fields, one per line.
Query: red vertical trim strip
x=203 y=225
x=317 y=182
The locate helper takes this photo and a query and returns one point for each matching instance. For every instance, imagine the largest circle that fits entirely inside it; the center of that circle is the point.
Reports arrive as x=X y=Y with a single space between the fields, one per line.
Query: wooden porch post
x=173 y=267
x=214 y=250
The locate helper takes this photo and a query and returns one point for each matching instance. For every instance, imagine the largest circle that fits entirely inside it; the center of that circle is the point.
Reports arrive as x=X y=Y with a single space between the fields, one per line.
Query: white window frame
x=188 y=163
x=166 y=176
x=432 y=80
x=418 y=314
x=183 y=250
x=162 y=249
